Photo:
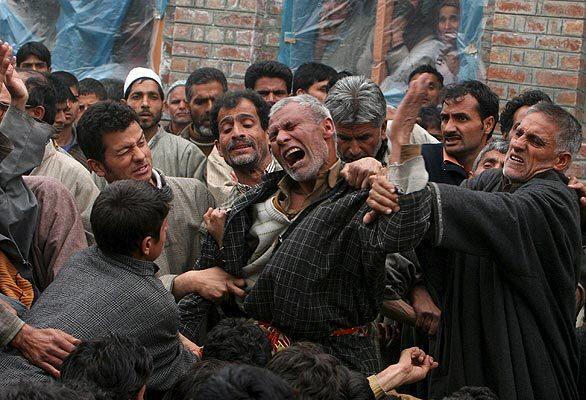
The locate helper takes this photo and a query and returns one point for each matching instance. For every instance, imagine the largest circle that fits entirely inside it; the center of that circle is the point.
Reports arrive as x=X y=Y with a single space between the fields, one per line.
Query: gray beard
x=205 y=132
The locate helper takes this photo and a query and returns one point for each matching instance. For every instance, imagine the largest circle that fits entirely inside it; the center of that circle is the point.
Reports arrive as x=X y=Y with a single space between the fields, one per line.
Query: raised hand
x=215 y=218
x=9 y=77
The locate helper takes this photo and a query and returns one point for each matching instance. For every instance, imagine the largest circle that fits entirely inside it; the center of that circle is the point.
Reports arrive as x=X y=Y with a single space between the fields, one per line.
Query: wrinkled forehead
x=291 y=112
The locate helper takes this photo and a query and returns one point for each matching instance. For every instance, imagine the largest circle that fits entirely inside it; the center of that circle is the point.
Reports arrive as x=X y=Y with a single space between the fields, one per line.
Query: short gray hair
x=319 y=112
x=356 y=100
x=500 y=145
x=569 y=129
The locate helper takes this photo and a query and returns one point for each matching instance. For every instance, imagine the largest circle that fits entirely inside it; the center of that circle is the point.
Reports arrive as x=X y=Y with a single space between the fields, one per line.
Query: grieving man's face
x=200 y=105
x=242 y=141
x=126 y=156
x=271 y=89
x=298 y=141
x=491 y=159
x=359 y=141
x=145 y=99
x=532 y=148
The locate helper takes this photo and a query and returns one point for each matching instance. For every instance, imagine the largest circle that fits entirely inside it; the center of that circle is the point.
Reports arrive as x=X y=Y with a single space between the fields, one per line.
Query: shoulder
x=190 y=190
x=45 y=186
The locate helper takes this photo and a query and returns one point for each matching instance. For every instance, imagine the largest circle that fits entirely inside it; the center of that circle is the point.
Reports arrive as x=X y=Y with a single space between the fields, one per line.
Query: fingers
x=239 y=282
x=66 y=342
x=369 y=217
x=49 y=369
x=235 y=290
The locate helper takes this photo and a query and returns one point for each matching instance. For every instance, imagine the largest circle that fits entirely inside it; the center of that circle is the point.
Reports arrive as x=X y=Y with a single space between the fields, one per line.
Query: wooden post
x=156 y=55
x=382 y=39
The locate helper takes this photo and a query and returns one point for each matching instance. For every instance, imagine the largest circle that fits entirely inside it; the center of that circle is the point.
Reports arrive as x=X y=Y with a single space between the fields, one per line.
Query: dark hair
x=199 y=373
x=114 y=88
x=427 y=69
x=230 y=100
x=238 y=340
x=44 y=390
x=244 y=382
x=270 y=69
x=100 y=119
x=355 y=385
x=430 y=117
x=92 y=86
x=42 y=93
x=309 y=73
x=141 y=80
x=67 y=78
x=62 y=91
x=114 y=363
x=488 y=101
x=313 y=373
x=527 y=98
x=36 y=49
x=125 y=213
x=204 y=75
x=472 y=393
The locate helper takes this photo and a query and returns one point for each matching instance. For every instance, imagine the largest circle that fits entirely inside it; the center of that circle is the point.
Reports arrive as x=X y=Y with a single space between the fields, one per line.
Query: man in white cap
x=177 y=107
x=171 y=154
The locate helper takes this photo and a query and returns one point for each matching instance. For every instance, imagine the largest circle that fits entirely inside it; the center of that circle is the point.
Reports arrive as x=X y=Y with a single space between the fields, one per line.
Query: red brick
x=214 y=35
x=516 y=7
x=550 y=59
x=182 y=32
x=569 y=62
x=190 y=49
x=248 y=5
x=559 y=43
x=536 y=25
x=507 y=74
x=533 y=58
x=556 y=79
x=573 y=27
x=499 y=88
x=232 y=53
x=566 y=98
x=235 y=19
x=513 y=39
x=503 y=22
x=583 y=151
x=215 y=4
x=244 y=37
x=179 y=64
x=517 y=57
x=571 y=9
x=193 y=16
x=239 y=69
x=512 y=92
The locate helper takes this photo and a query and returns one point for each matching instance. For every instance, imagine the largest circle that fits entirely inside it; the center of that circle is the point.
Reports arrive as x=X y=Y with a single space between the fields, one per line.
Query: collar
x=158 y=178
x=448 y=159
x=272 y=167
x=139 y=267
x=157 y=136
x=73 y=142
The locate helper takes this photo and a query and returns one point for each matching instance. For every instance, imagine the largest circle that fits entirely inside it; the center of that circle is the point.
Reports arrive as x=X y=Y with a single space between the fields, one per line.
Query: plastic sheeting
x=90 y=38
x=341 y=33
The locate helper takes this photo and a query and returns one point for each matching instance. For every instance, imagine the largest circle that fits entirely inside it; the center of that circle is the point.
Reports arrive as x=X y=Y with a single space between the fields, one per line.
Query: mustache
x=237 y=142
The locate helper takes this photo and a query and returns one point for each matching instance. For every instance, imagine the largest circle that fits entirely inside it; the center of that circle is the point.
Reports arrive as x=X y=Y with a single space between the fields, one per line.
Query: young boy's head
x=113 y=363
x=129 y=218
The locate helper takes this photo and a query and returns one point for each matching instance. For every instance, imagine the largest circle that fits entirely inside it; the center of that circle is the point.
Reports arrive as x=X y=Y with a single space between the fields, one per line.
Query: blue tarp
x=92 y=38
x=301 y=21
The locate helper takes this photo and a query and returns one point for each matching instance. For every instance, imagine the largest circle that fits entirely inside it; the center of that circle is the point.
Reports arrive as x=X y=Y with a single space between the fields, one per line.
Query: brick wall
x=225 y=34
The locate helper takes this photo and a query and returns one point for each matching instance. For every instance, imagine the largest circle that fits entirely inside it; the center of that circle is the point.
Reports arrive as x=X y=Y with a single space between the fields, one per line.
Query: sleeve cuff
x=409 y=176
x=167 y=281
x=10 y=331
x=378 y=391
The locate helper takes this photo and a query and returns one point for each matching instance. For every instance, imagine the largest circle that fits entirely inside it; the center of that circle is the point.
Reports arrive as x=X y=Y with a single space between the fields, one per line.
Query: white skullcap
x=140 y=73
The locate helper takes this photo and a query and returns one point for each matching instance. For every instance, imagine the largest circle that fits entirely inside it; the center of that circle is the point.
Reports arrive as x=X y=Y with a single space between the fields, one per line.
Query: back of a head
x=427 y=69
x=488 y=101
x=473 y=393
x=198 y=374
x=114 y=363
x=41 y=93
x=44 y=390
x=125 y=213
x=245 y=382
x=430 y=118
x=356 y=100
x=309 y=73
x=313 y=373
x=36 y=49
x=204 y=75
x=92 y=86
x=269 y=69
x=101 y=119
x=527 y=98
x=67 y=78
x=238 y=340
x=114 y=88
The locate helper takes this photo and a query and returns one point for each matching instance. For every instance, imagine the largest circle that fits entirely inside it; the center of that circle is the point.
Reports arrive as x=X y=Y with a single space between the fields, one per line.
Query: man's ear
x=299 y=91
x=562 y=162
x=329 y=128
x=383 y=130
x=37 y=112
x=217 y=144
x=146 y=245
x=97 y=167
x=488 y=124
x=123 y=101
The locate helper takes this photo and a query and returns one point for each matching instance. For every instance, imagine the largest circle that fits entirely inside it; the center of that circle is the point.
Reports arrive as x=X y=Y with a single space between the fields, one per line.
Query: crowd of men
x=298 y=239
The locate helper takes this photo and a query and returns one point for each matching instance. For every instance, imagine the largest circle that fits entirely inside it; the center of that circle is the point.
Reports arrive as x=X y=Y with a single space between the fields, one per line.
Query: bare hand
x=212 y=284
x=189 y=345
x=382 y=198
x=9 y=77
x=357 y=173
x=426 y=312
x=575 y=184
x=416 y=364
x=45 y=348
x=215 y=218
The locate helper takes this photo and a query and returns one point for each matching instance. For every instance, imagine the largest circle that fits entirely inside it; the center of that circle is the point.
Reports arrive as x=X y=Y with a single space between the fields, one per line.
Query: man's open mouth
x=293 y=155
x=516 y=159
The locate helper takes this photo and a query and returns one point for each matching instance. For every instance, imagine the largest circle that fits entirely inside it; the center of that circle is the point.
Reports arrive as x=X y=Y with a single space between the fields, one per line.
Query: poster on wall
x=386 y=39
x=90 y=38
